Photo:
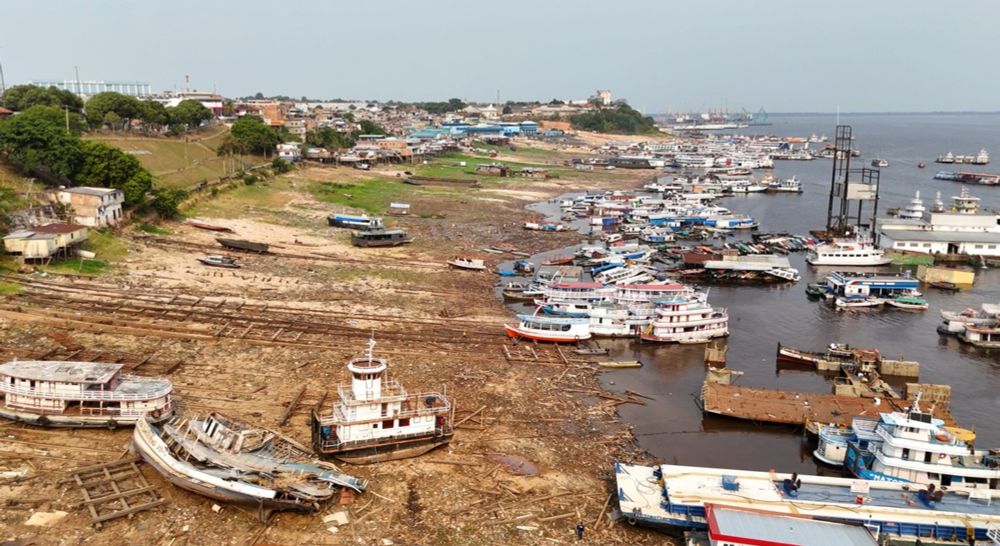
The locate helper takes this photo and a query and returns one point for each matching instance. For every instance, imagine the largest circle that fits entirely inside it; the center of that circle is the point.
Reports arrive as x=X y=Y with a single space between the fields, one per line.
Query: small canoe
x=621 y=364
x=208 y=227
x=594 y=352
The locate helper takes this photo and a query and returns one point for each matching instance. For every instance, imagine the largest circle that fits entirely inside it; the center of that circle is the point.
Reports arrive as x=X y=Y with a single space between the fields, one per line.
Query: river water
x=671 y=426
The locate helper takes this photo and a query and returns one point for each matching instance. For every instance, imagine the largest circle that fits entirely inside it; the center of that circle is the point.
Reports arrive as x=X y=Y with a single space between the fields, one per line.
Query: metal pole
x=3 y=84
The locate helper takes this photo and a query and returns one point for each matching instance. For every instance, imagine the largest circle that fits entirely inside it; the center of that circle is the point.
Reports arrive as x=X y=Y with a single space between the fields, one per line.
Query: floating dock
x=675 y=497
x=809 y=408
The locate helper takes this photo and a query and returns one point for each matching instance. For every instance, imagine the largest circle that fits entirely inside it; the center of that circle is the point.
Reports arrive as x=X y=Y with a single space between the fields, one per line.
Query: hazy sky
x=787 y=55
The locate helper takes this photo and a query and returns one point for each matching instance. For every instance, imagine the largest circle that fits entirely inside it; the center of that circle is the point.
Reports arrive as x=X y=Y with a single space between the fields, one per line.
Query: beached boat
x=550 y=329
x=361 y=222
x=229 y=461
x=544 y=227
x=380 y=237
x=469 y=264
x=216 y=260
x=80 y=394
x=908 y=302
x=246 y=246
x=375 y=419
x=208 y=227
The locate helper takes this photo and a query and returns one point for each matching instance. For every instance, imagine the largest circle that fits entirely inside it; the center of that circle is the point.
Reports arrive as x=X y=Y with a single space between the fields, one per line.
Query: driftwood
x=470 y=416
x=292 y=405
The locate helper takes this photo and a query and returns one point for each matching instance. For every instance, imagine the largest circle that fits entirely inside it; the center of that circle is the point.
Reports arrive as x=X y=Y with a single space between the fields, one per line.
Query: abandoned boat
x=551 y=329
x=80 y=394
x=240 y=244
x=467 y=264
x=230 y=461
x=216 y=260
x=380 y=237
x=361 y=222
x=375 y=419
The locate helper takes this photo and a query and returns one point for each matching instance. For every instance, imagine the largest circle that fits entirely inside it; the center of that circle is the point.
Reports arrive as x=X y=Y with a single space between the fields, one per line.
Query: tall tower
x=366 y=375
x=850 y=190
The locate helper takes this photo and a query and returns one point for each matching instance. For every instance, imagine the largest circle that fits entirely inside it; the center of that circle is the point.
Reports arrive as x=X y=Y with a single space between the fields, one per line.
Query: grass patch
x=78 y=266
x=108 y=248
x=383 y=273
x=266 y=196
x=155 y=230
x=8 y=288
x=448 y=166
x=371 y=196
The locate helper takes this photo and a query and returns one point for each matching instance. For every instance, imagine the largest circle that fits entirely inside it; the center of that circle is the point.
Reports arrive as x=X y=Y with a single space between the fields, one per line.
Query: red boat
x=562 y=260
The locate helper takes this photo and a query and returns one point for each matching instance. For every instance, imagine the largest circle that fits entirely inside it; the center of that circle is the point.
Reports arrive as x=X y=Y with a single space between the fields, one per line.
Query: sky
x=660 y=55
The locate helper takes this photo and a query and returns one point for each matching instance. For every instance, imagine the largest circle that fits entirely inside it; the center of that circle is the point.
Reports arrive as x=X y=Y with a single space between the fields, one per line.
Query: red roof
x=576 y=285
x=673 y=286
x=57 y=228
x=5 y=112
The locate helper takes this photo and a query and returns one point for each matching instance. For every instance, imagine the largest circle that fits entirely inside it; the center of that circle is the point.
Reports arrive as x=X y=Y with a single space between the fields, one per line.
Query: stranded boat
x=80 y=394
x=375 y=419
x=247 y=246
x=361 y=222
x=552 y=329
x=230 y=461
x=380 y=237
x=216 y=260
x=467 y=263
x=544 y=227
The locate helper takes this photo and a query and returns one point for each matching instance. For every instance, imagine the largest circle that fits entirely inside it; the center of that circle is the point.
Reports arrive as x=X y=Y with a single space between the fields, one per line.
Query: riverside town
x=596 y=280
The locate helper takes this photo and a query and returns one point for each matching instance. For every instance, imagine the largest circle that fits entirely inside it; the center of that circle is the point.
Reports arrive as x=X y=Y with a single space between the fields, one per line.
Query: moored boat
x=550 y=329
x=831 y=445
x=857 y=301
x=908 y=302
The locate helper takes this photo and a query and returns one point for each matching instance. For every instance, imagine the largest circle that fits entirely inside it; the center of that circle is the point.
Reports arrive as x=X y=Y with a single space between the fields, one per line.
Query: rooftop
x=57 y=228
x=942 y=236
x=87 y=190
x=760 y=527
x=61 y=371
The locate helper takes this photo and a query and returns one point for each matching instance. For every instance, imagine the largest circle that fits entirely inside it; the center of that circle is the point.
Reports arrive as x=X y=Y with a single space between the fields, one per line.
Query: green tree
x=327 y=137
x=280 y=166
x=369 y=127
x=125 y=107
x=166 y=201
x=190 y=113
x=22 y=97
x=36 y=142
x=153 y=114
x=621 y=118
x=108 y=167
x=249 y=134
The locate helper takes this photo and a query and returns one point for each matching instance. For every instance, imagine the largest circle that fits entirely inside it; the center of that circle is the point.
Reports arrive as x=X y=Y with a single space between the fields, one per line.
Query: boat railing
x=337 y=416
x=333 y=442
x=113 y=395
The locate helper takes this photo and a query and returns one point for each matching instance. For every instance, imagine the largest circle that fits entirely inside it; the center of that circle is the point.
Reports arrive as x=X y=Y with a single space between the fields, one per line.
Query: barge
x=80 y=394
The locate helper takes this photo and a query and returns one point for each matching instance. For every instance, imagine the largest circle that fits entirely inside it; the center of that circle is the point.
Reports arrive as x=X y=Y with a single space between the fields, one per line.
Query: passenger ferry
x=674 y=497
x=375 y=419
x=551 y=329
x=914 y=447
x=80 y=394
x=855 y=252
x=685 y=320
x=577 y=291
x=619 y=320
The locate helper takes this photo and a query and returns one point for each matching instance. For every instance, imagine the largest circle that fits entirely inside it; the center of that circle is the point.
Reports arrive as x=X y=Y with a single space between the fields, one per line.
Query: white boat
x=879 y=162
x=785 y=185
x=856 y=252
x=80 y=394
x=686 y=320
x=550 y=329
x=468 y=264
x=831 y=445
x=915 y=447
x=915 y=209
x=544 y=227
x=857 y=301
x=970 y=316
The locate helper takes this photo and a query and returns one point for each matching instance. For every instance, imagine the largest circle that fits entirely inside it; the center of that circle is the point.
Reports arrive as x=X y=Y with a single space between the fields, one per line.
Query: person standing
x=579 y=530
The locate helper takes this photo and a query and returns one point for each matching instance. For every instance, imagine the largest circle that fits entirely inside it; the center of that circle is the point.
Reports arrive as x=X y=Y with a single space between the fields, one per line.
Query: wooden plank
x=292 y=405
x=115 y=496
x=86 y=498
x=131 y=510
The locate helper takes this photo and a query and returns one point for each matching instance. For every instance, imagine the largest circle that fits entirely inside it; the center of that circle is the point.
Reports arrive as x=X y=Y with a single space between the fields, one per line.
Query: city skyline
x=885 y=57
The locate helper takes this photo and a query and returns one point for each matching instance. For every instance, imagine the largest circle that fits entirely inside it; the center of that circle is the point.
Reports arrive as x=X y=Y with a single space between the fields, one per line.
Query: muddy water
x=672 y=428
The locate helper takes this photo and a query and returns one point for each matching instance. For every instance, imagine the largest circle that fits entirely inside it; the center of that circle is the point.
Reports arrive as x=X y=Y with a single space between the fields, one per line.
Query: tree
x=327 y=137
x=507 y=109
x=369 y=127
x=36 y=141
x=258 y=95
x=280 y=166
x=621 y=118
x=191 y=113
x=249 y=134
x=125 y=107
x=166 y=201
x=153 y=114
x=108 y=167
x=22 y=97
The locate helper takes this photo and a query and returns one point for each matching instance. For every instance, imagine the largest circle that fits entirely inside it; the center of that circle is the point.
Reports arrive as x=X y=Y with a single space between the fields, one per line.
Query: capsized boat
x=230 y=461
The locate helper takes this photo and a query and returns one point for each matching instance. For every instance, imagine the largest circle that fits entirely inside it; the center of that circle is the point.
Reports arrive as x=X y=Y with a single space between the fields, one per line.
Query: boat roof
x=553 y=320
x=61 y=371
x=747 y=526
x=672 y=286
x=576 y=285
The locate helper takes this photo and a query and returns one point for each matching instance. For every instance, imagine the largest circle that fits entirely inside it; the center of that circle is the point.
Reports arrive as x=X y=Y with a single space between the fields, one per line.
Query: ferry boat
x=362 y=222
x=788 y=185
x=80 y=394
x=380 y=237
x=685 y=320
x=551 y=329
x=854 y=252
x=914 y=447
x=375 y=419
x=577 y=291
x=674 y=497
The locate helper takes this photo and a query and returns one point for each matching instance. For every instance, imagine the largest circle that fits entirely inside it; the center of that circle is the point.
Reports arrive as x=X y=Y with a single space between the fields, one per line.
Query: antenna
x=79 y=85
x=3 y=84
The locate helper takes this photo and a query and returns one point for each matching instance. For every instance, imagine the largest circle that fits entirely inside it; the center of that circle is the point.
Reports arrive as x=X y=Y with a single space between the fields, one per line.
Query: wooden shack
x=43 y=243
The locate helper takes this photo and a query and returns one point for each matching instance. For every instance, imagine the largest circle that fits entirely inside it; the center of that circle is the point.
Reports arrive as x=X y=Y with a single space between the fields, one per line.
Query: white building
x=290 y=151
x=962 y=229
x=93 y=207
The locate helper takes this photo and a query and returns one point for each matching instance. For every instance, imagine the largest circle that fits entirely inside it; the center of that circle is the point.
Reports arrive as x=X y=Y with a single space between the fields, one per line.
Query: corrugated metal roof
x=762 y=527
x=941 y=236
x=87 y=190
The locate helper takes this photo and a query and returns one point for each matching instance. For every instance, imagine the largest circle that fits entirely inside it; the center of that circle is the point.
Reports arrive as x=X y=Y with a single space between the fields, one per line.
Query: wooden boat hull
x=515 y=332
x=247 y=246
x=217 y=264
x=210 y=227
x=363 y=243
x=394 y=452
x=517 y=296
x=74 y=421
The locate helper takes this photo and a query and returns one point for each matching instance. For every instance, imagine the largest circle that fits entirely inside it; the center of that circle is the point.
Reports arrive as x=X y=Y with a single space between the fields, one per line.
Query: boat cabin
x=380 y=237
